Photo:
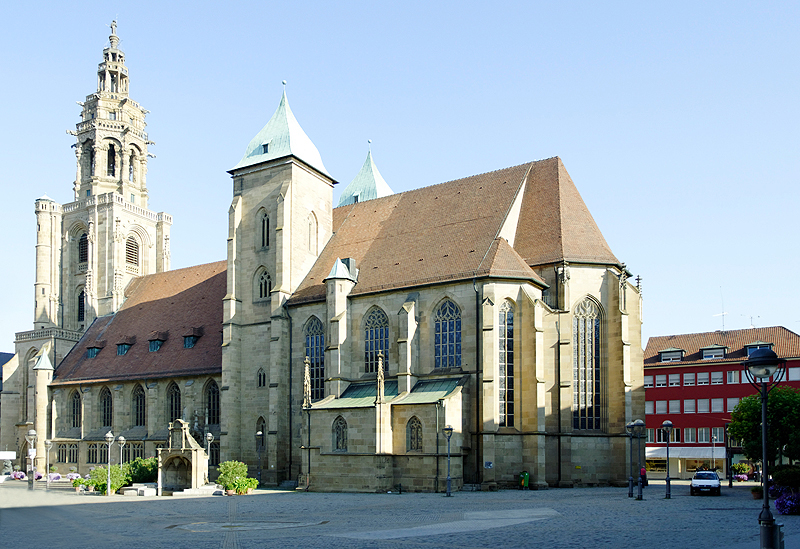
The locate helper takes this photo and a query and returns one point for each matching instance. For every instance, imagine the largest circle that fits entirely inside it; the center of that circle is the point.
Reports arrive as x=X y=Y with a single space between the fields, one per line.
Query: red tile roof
x=785 y=343
x=449 y=232
x=172 y=304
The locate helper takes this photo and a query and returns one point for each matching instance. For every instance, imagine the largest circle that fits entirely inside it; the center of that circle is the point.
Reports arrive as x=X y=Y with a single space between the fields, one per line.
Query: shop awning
x=683 y=452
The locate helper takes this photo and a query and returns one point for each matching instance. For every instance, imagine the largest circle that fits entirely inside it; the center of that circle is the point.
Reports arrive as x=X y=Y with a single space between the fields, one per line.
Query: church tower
x=279 y=221
x=88 y=250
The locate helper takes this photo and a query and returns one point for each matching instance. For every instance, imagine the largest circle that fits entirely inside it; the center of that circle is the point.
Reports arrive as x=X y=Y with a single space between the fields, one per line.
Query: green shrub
x=119 y=478
x=241 y=484
x=740 y=468
x=229 y=471
x=787 y=475
x=143 y=470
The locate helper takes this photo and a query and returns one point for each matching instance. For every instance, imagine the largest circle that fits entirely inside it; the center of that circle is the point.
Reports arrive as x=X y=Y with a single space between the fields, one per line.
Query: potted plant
x=244 y=485
x=757 y=491
x=233 y=478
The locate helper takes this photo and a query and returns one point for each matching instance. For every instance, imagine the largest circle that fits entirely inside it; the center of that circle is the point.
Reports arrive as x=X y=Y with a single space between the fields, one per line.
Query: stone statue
x=114 y=27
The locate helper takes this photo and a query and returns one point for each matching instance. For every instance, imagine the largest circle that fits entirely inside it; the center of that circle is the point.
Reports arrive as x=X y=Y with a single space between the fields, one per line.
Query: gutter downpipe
x=478 y=383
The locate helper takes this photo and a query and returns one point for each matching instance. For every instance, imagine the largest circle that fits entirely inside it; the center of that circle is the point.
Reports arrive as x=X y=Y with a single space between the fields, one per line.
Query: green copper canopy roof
x=282 y=136
x=368 y=184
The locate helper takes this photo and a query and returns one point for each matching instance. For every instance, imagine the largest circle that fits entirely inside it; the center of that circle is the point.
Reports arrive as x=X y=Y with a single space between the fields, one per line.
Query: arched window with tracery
x=376 y=338
x=174 y=409
x=111 y=170
x=132 y=252
x=106 y=407
x=263 y=284
x=81 y=306
x=262 y=229
x=76 y=410
x=261 y=439
x=261 y=378
x=414 y=435
x=212 y=403
x=83 y=248
x=586 y=366
x=139 y=407
x=447 y=336
x=339 y=434
x=315 y=351
x=505 y=381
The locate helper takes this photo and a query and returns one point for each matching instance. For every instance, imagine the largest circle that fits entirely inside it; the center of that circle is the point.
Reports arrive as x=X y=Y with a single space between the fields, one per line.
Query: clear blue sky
x=678 y=122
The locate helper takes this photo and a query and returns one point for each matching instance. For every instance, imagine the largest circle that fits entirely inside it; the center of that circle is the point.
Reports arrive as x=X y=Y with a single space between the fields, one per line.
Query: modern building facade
x=334 y=344
x=695 y=381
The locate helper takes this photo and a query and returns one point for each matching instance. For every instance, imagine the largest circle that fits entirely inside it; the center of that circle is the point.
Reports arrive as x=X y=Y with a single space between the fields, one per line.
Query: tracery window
x=106 y=407
x=132 y=251
x=376 y=338
x=213 y=458
x=263 y=229
x=73 y=453
x=339 y=435
x=137 y=450
x=586 y=371
x=505 y=380
x=173 y=402
x=261 y=440
x=103 y=451
x=83 y=248
x=315 y=351
x=81 y=306
x=263 y=284
x=414 y=435
x=91 y=454
x=262 y=377
x=76 y=409
x=61 y=456
x=447 y=336
x=139 y=407
x=212 y=403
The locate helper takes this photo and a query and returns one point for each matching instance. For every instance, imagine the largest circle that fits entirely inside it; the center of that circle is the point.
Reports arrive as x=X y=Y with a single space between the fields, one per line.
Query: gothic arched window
x=81 y=306
x=75 y=409
x=212 y=403
x=132 y=251
x=261 y=439
x=112 y=162
x=505 y=381
x=106 y=407
x=174 y=409
x=376 y=338
x=586 y=372
x=261 y=377
x=262 y=230
x=315 y=351
x=339 y=434
x=414 y=435
x=447 y=336
x=139 y=407
x=263 y=284
x=83 y=248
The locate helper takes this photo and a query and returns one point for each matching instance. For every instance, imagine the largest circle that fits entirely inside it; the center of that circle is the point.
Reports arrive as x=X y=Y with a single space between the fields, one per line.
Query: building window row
x=690 y=406
x=700 y=378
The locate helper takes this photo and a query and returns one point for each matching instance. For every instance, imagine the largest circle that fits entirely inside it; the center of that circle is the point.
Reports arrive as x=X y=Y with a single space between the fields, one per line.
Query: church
x=472 y=329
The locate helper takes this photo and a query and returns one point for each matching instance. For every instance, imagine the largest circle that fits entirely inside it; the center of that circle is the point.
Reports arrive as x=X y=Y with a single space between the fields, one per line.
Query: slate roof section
x=785 y=343
x=173 y=302
x=449 y=232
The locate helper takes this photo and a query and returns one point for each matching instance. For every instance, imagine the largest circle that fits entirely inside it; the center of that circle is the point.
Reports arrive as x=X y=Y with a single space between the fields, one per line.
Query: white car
x=705 y=481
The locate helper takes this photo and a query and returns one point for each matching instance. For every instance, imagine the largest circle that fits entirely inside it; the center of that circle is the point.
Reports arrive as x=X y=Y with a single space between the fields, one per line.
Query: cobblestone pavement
x=580 y=517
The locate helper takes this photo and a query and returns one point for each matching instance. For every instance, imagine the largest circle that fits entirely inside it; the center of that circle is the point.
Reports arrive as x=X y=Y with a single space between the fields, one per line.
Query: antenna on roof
x=751 y=320
x=723 y=313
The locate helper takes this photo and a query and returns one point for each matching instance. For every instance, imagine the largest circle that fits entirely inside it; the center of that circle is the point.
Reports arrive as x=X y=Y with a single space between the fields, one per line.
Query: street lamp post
x=109 y=440
x=667 y=428
x=728 y=455
x=448 y=432
x=713 y=445
x=47 y=445
x=760 y=365
x=121 y=440
x=30 y=438
x=638 y=431
x=629 y=429
x=209 y=440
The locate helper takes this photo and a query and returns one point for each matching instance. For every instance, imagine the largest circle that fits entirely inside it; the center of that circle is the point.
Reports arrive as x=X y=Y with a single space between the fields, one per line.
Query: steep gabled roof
x=282 y=136
x=366 y=185
x=785 y=343
x=174 y=304
x=555 y=224
x=441 y=233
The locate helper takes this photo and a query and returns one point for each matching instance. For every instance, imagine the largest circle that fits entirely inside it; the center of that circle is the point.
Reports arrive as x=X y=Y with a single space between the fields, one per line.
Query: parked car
x=705 y=481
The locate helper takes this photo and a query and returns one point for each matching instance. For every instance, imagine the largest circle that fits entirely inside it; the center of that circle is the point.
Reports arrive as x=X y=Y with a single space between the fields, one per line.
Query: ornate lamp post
x=209 y=440
x=629 y=429
x=121 y=441
x=109 y=440
x=30 y=438
x=667 y=428
x=448 y=432
x=762 y=364
x=47 y=445
x=638 y=431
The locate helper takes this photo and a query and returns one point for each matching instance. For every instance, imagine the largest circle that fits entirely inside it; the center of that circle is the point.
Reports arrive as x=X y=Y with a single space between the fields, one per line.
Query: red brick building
x=695 y=381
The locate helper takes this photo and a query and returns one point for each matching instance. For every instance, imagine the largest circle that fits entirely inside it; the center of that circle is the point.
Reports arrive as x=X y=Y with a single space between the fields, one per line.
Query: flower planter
x=757 y=494
x=230 y=492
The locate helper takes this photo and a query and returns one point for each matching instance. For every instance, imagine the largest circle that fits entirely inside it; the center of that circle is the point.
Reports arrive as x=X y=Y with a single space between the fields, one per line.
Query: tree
x=783 y=418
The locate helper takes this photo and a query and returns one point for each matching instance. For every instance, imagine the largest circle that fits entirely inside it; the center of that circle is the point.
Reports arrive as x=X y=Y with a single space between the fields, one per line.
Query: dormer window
x=91 y=352
x=189 y=341
x=264 y=148
x=122 y=348
x=157 y=339
x=757 y=345
x=713 y=352
x=671 y=355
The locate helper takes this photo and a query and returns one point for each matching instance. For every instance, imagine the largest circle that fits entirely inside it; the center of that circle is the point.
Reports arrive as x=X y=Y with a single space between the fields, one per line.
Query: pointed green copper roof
x=368 y=184
x=282 y=136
